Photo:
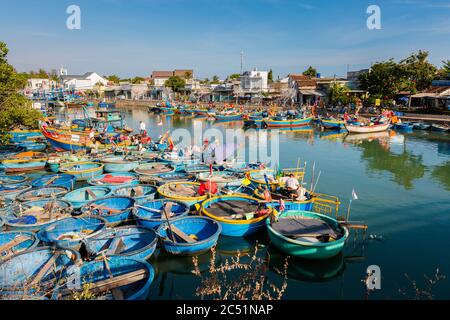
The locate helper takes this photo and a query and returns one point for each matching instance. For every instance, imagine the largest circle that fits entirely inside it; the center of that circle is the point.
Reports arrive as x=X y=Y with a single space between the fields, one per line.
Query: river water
x=402 y=181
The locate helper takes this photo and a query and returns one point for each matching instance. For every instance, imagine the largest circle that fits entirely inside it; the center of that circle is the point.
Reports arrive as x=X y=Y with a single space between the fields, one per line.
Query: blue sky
x=134 y=37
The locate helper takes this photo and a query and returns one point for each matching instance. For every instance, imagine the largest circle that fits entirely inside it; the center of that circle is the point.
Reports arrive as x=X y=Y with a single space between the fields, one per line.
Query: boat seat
x=304 y=227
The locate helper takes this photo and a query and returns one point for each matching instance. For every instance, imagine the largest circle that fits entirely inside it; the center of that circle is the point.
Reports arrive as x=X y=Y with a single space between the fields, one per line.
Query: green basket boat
x=307 y=235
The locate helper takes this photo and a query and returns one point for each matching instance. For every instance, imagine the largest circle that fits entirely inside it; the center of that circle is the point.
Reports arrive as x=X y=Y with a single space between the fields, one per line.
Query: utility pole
x=242 y=62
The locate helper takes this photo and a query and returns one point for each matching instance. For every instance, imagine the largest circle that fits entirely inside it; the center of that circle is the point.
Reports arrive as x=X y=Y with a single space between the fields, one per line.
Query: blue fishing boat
x=82 y=170
x=440 y=127
x=55 y=180
x=421 y=126
x=150 y=214
x=236 y=190
x=102 y=277
x=141 y=193
x=26 y=161
x=228 y=117
x=153 y=169
x=239 y=216
x=71 y=232
x=115 y=180
x=332 y=124
x=35 y=271
x=114 y=210
x=8 y=179
x=81 y=197
x=14 y=242
x=287 y=123
x=196 y=168
x=404 y=126
x=308 y=235
x=223 y=179
x=107 y=105
x=126 y=242
x=33 y=146
x=11 y=191
x=18 y=136
x=41 y=193
x=294 y=205
x=34 y=215
x=161 y=179
x=189 y=235
x=119 y=164
x=179 y=162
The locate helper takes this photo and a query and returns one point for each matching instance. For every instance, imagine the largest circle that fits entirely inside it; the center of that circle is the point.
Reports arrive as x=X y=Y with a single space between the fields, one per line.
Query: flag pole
x=348 y=211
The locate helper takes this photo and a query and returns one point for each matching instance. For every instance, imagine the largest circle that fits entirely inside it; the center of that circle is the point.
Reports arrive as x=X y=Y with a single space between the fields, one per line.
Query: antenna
x=242 y=62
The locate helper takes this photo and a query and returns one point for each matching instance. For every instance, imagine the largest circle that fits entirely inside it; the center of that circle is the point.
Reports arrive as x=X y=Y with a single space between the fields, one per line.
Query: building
x=436 y=97
x=305 y=89
x=86 y=81
x=254 y=82
x=34 y=85
x=159 y=78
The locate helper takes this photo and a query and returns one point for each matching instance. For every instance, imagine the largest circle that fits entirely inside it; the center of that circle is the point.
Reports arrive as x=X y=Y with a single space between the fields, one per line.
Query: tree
x=15 y=108
x=338 y=94
x=234 y=76
x=175 y=83
x=270 y=76
x=312 y=72
x=444 y=72
x=188 y=75
x=113 y=78
x=418 y=70
x=137 y=80
x=215 y=79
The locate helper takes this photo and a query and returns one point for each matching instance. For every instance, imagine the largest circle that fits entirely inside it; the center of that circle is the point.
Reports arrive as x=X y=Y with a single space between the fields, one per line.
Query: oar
x=51 y=180
x=90 y=193
x=117 y=293
x=166 y=215
x=15 y=242
x=43 y=271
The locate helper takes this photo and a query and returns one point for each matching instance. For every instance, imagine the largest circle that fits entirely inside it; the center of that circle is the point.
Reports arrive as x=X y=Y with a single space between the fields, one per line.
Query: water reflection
x=442 y=174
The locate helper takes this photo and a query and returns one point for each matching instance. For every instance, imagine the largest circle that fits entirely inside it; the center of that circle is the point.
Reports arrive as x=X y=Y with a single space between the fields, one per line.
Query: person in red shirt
x=207 y=187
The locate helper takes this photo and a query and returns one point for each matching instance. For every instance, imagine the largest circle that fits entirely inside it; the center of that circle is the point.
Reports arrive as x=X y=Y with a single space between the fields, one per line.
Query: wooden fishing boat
x=141 y=193
x=367 y=129
x=11 y=191
x=42 y=193
x=440 y=127
x=71 y=232
x=228 y=117
x=179 y=162
x=81 y=197
x=307 y=234
x=18 y=135
x=151 y=214
x=115 y=209
x=15 y=180
x=404 y=126
x=34 y=215
x=239 y=216
x=223 y=179
x=35 y=271
x=288 y=123
x=153 y=169
x=55 y=180
x=33 y=146
x=182 y=191
x=273 y=179
x=332 y=124
x=14 y=242
x=189 y=235
x=196 y=168
x=236 y=190
x=163 y=178
x=26 y=161
x=115 y=180
x=82 y=170
x=119 y=164
x=112 y=278
x=126 y=242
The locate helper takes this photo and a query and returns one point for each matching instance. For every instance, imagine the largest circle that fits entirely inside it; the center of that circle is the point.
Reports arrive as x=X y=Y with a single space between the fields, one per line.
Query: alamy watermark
x=373 y=278
x=374 y=20
x=73 y=22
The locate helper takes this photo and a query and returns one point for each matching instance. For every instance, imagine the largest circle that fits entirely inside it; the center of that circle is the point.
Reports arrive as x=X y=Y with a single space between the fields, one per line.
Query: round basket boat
x=137 y=274
x=42 y=193
x=115 y=210
x=115 y=180
x=182 y=191
x=150 y=214
x=71 y=232
x=22 y=273
x=307 y=235
x=14 y=242
x=82 y=170
x=258 y=180
x=81 y=197
x=141 y=193
x=239 y=216
x=128 y=242
x=189 y=235
x=119 y=164
x=11 y=191
x=55 y=180
x=34 y=215
x=222 y=179
x=12 y=179
x=153 y=169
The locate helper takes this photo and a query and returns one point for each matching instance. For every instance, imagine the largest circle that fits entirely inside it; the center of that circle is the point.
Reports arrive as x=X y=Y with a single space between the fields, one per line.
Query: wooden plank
x=182 y=235
x=43 y=271
x=15 y=242
x=116 y=247
x=116 y=292
x=103 y=208
x=51 y=180
x=91 y=194
x=138 y=191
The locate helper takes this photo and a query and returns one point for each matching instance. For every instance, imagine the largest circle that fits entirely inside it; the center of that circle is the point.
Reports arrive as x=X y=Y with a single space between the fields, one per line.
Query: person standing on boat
x=142 y=127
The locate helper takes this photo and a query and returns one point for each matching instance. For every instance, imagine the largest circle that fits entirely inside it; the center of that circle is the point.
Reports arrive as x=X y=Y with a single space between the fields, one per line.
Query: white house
x=40 y=85
x=254 y=82
x=86 y=81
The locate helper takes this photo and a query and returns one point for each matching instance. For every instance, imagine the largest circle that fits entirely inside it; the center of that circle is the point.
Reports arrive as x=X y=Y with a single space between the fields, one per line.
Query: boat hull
x=367 y=129
x=287 y=123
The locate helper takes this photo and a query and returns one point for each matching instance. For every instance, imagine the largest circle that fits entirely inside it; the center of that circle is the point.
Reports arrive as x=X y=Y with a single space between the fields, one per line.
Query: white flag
x=354 y=195
x=160 y=124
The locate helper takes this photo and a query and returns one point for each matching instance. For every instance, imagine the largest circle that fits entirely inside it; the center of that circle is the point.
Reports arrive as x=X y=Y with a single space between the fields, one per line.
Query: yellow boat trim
x=257 y=194
x=24 y=160
x=208 y=214
x=200 y=198
x=62 y=168
x=261 y=181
